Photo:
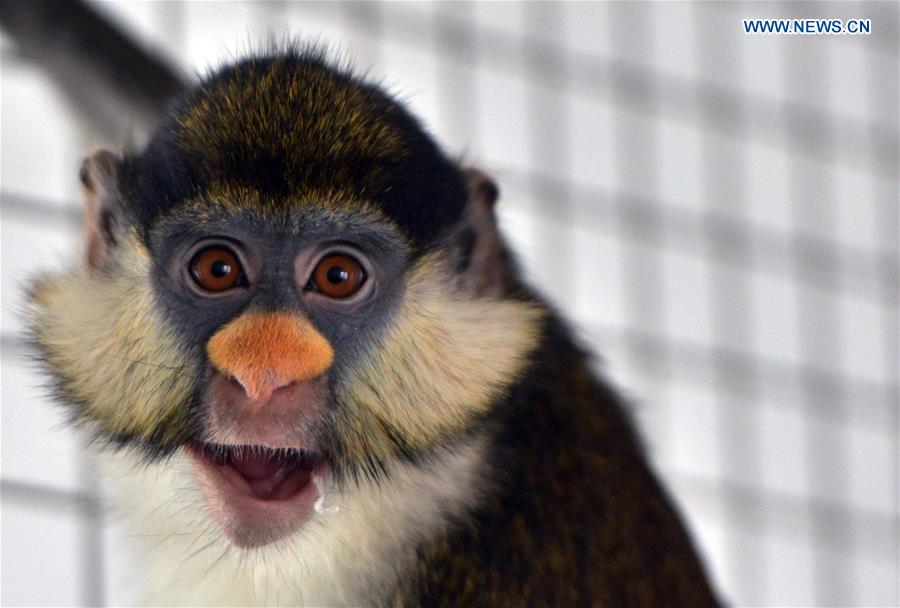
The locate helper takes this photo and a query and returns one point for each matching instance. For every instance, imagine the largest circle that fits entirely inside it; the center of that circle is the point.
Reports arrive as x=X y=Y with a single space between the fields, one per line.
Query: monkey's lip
x=260 y=472
x=258 y=495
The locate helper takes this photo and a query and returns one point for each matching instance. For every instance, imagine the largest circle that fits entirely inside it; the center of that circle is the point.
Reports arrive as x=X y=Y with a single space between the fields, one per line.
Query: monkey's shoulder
x=575 y=516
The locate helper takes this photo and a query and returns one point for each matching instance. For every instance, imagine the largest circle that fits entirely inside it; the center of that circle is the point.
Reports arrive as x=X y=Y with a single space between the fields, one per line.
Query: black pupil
x=336 y=275
x=220 y=269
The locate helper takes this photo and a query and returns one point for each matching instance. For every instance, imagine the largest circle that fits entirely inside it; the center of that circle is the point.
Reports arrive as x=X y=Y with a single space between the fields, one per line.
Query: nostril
x=260 y=388
x=247 y=390
x=284 y=388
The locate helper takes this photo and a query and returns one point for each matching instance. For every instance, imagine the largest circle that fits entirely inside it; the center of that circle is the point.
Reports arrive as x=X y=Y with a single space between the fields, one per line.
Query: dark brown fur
x=577 y=518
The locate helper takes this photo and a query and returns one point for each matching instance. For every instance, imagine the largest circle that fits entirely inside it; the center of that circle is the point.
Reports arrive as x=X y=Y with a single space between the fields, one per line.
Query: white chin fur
x=348 y=554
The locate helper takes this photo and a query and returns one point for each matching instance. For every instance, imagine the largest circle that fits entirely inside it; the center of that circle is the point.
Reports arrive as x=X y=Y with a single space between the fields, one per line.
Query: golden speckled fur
x=330 y=199
x=113 y=354
x=443 y=361
x=269 y=110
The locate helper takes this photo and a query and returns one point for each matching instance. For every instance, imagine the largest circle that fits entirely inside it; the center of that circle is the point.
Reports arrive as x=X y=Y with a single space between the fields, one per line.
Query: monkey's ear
x=480 y=253
x=100 y=177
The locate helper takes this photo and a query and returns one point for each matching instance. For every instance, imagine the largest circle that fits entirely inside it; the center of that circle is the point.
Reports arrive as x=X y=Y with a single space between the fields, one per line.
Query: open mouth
x=258 y=494
x=260 y=472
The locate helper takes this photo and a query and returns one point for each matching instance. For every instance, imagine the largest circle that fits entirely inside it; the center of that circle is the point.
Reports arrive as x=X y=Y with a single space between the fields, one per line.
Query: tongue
x=266 y=476
x=257 y=466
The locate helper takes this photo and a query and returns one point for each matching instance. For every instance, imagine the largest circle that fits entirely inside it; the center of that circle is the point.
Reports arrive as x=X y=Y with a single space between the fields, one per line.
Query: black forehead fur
x=287 y=124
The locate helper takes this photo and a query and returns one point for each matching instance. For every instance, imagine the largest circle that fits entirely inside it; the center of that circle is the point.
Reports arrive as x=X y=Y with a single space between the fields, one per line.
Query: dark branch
x=119 y=86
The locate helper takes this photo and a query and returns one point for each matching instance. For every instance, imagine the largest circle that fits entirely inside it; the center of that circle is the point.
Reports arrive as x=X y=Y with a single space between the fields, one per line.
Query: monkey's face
x=282 y=356
x=292 y=315
x=287 y=308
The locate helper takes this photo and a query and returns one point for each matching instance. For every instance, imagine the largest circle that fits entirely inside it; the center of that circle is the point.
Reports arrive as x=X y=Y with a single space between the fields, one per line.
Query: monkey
x=315 y=373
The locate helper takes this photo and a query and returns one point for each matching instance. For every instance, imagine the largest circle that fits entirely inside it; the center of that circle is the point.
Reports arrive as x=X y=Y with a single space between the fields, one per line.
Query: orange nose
x=265 y=351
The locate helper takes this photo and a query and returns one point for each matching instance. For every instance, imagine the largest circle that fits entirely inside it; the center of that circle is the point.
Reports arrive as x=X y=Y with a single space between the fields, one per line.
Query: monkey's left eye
x=338 y=276
x=216 y=269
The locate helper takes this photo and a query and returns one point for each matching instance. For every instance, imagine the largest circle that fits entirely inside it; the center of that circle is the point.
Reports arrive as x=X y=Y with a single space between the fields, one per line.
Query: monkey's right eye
x=216 y=269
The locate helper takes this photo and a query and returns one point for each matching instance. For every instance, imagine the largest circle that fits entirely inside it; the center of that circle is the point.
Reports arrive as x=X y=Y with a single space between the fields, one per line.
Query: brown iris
x=338 y=276
x=216 y=269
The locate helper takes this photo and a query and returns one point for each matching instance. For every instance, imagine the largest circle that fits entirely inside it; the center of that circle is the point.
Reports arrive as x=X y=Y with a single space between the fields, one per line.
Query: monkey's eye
x=216 y=269
x=338 y=276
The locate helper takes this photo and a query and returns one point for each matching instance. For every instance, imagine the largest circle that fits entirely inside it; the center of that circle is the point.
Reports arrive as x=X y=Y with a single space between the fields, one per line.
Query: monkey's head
x=292 y=284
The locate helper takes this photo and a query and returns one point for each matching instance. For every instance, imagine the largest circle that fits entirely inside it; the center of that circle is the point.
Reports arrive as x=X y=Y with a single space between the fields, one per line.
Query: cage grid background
x=716 y=213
